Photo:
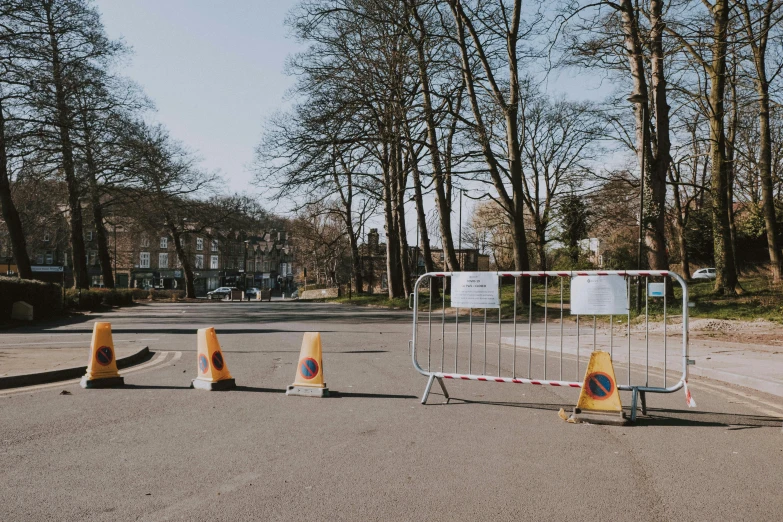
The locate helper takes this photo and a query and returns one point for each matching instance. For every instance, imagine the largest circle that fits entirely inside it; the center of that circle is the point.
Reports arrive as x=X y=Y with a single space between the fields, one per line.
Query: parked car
x=252 y=293
x=704 y=273
x=221 y=293
x=295 y=294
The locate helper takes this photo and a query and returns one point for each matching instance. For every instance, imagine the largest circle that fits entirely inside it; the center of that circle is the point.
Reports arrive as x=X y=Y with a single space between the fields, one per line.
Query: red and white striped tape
x=651 y=273
x=484 y=378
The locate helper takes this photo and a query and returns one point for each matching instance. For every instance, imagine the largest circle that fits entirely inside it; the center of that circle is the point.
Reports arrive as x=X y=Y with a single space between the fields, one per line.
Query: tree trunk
x=680 y=223
x=63 y=117
x=726 y=280
x=767 y=193
x=731 y=136
x=421 y=217
x=393 y=274
x=402 y=231
x=187 y=268
x=442 y=200
x=541 y=248
x=765 y=142
x=10 y=214
x=97 y=208
x=356 y=260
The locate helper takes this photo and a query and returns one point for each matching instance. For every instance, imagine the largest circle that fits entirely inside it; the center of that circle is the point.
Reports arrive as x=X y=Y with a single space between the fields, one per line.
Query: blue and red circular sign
x=217 y=360
x=308 y=367
x=203 y=365
x=600 y=386
x=104 y=355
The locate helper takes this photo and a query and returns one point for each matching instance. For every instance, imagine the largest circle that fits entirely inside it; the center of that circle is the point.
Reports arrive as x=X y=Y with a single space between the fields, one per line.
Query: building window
x=144 y=260
x=199 y=243
x=145 y=241
x=89 y=236
x=200 y=261
x=46 y=237
x=97 y=280
x=163 y=260
x=49 y=258
x=214 y=245
x=164 y=242
x=39 y=259
x=266 y=266
x=213 y=262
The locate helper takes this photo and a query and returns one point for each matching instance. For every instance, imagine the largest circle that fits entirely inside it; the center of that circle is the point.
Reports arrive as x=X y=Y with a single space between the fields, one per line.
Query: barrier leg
x=443 y=387
x=427 y=389
x=633 y=404
x=644 y=402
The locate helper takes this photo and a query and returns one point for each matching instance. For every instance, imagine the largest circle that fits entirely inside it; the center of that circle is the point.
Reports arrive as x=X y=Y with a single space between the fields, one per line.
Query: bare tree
x=759 y=18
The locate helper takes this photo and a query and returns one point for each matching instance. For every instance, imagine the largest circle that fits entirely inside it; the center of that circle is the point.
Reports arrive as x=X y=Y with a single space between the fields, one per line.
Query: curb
x=32 y=379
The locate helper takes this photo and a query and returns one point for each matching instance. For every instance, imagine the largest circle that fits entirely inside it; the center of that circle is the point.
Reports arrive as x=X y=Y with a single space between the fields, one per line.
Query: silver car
x=704 y=273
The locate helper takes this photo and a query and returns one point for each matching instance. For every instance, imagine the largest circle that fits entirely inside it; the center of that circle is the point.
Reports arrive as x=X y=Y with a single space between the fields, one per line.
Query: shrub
x=46 y=298
x=97 y=297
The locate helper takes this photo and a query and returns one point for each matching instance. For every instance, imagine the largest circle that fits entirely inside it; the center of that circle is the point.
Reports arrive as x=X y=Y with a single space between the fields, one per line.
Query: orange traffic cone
x=102 y=368
x=309 y=380
x=599 y=400
x=212 y=368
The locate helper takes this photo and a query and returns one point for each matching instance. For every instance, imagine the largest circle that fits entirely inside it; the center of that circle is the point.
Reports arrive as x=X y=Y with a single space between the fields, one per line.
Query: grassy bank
x=759 y=299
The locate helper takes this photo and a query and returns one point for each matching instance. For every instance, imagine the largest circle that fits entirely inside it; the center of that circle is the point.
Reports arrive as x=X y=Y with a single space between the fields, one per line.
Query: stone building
x=373 y=262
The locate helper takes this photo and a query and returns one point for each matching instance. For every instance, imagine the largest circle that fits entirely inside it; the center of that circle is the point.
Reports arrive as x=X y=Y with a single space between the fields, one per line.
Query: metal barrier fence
x=546 y=348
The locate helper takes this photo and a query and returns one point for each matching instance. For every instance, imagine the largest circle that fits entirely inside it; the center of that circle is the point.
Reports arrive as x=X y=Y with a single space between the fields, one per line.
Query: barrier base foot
x=304 y=391
x=107 y=382
x=594 y=417
x=225 y=384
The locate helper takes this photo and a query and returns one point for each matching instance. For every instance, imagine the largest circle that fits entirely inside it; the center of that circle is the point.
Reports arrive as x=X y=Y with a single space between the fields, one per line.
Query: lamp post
x=114 y=225
x=641 y=99
x=244 y=265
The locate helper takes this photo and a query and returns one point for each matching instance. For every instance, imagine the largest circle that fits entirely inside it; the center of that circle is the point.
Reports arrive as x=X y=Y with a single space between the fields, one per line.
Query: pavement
x=157 y=450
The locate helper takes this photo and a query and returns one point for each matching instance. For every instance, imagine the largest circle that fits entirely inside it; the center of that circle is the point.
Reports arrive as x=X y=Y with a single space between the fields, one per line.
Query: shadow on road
x=654 y=417
x=332 y=393
x=355 y=395
x=153 y=387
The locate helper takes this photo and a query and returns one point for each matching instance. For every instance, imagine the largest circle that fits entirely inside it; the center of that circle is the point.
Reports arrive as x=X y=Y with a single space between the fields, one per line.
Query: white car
x=704 y=273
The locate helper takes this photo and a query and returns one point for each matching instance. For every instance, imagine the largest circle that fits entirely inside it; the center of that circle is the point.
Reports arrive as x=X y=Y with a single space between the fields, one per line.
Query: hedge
x=46 y=298
x=97 y=297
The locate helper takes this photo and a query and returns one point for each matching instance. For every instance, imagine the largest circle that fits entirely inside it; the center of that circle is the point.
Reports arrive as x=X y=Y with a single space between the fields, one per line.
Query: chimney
x=372 y=239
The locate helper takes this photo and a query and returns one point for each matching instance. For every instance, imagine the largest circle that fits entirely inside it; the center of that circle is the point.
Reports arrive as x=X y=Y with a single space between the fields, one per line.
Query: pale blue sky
x=214 y=70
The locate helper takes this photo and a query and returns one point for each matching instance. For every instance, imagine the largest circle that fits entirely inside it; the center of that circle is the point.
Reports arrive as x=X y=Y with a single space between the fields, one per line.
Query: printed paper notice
x=599 y=295
x=475 y=290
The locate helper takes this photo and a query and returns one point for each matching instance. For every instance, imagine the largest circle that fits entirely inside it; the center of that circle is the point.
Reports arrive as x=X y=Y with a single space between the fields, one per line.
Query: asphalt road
x=157 y=450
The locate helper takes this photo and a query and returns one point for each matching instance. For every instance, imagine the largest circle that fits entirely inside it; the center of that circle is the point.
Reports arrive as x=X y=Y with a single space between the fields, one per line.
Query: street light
x=641 y=99
x=244 y=265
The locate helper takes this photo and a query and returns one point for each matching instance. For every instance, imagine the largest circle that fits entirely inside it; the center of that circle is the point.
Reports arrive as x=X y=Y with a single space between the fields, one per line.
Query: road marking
x=54 y=343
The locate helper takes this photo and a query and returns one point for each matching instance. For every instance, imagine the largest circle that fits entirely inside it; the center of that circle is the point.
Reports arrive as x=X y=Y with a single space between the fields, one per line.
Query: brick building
x=373 y=262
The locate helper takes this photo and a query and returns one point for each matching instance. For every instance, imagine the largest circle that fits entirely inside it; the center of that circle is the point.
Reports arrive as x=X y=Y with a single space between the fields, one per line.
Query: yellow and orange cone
x=213 y=371
x=309 y=381
x=599 y=400
x=102 y=367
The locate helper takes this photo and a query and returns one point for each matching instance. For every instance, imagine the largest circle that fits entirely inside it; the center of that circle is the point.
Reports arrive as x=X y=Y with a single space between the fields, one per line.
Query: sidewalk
x=736 y=359
x=47 y=357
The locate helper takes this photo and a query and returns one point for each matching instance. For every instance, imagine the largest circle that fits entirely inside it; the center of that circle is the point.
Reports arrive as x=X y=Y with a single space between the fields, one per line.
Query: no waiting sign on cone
x=309 y=381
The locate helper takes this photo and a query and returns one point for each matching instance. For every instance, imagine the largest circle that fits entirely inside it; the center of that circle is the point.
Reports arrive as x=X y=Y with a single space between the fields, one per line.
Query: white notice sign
x=475 y=290
x=599 y=295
